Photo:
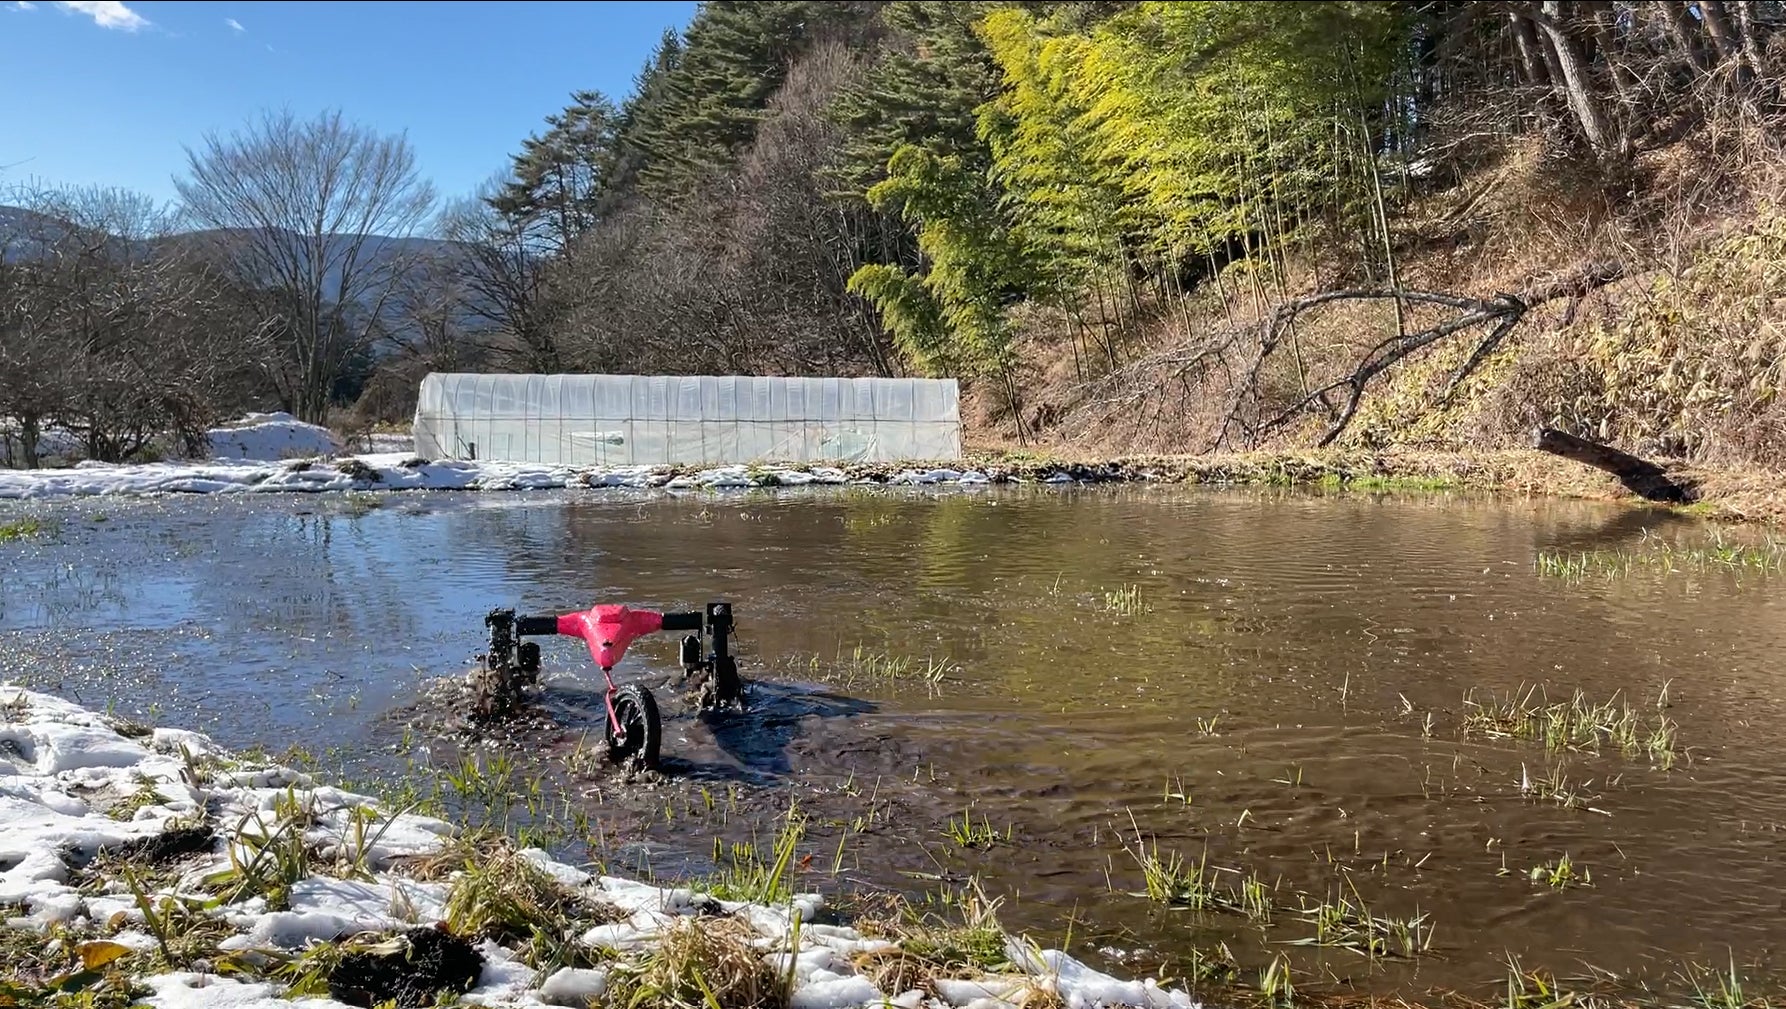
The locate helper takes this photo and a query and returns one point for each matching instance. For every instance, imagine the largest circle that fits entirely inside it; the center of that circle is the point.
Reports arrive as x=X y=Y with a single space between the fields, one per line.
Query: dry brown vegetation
x=1673 y=347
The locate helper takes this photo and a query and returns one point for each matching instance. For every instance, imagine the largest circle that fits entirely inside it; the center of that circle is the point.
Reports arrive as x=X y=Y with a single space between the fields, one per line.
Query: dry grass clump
x=500 y=894
x=698 y=963
x=930 y=947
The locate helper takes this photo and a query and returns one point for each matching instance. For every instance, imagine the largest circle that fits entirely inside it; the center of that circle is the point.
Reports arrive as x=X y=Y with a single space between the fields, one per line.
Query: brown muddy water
x=1269 y=683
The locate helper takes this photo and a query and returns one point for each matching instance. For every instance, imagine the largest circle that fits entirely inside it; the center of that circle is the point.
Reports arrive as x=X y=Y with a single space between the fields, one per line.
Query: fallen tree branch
x=1378 y=359
x=1140 y=390
x=1505 y=308
x=1504 y=311
x=1640 y=476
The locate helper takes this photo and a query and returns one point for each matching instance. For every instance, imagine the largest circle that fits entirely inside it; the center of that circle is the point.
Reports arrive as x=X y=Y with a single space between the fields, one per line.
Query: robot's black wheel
x=641 y=731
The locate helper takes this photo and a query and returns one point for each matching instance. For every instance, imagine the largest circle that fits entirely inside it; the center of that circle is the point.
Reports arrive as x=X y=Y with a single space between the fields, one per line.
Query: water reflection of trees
x=1006 y=585
x=60 y=594
x=1260 y=602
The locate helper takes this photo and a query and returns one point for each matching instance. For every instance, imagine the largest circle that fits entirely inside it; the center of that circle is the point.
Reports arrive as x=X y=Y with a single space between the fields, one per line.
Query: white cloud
x=22 y=5
x=235 y=26
x=106 y=13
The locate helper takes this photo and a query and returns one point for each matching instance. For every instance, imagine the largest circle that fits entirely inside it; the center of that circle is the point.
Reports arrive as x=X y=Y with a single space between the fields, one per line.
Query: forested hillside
x=1127 y=227
x=1174 y=226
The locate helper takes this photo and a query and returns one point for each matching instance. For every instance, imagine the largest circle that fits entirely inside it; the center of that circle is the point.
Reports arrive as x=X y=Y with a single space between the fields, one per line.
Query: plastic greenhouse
x=586 y=420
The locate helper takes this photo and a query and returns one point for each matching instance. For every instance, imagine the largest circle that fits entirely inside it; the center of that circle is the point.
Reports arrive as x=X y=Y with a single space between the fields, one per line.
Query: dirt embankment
x=1721 y=494
x=1652 y=320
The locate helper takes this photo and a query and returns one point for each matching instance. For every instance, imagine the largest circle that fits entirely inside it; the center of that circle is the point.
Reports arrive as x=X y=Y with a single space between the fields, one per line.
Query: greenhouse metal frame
x=615 y=420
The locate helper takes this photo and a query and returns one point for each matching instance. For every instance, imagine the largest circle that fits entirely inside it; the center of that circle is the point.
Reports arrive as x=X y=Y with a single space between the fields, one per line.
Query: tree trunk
x=1603 y=20
x=1531 y=60
x=1645 y=479
x=28 y=434
x=1749 y=32
x=1718 y=25
x=1686 y=33
x=1577 y=82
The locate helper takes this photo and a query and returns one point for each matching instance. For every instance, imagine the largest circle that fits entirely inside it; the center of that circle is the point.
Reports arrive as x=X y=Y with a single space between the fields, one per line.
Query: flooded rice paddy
x=1314 y=725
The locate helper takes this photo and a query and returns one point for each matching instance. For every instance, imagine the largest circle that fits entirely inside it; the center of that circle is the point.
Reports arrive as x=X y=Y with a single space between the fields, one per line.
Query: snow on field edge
x=400 y=471
x=62 y=766
x=271 y=437
x=259 y=437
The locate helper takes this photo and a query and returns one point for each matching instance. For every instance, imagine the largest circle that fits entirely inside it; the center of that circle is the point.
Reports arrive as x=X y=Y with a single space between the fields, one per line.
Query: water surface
x=1286 y=699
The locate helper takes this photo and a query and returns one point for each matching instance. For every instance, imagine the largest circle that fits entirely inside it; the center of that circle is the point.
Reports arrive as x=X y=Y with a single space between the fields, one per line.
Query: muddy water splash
x=1268 y=685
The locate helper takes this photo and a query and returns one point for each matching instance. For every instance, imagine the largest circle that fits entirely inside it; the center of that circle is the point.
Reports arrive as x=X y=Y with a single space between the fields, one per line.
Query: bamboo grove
x=974 y=177
x=1010 y=191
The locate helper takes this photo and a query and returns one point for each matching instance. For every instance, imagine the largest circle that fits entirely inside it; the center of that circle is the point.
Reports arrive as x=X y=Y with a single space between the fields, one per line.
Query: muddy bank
x=1722 y=494
x=306 y=889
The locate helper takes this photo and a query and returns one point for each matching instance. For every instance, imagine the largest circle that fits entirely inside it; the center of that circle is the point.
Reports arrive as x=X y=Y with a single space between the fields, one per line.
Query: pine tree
x=923 y=91
x=734 y=57
x=559 y=177
x=651 y=90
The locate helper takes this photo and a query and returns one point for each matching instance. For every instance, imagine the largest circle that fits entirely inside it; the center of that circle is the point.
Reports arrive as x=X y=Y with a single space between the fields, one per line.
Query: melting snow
x=277 y=453
x=272 y=437
x=400 y=471
x=62 y=767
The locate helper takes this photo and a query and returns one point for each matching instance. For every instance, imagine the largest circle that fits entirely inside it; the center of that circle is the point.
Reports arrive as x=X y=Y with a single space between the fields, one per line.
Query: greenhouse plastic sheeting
x=585 y=420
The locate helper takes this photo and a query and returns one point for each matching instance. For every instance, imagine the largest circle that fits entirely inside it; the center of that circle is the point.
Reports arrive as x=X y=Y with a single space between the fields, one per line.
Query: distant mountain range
x=18 y=220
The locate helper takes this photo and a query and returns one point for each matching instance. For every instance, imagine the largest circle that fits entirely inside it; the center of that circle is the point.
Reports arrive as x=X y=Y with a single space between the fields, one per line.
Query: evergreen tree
x=932 y=76
x=559 y=177
x=651 y=91
x=734 y=57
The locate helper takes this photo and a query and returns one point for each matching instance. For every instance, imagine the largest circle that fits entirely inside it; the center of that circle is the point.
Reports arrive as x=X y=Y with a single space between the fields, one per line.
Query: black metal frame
x=723 y=687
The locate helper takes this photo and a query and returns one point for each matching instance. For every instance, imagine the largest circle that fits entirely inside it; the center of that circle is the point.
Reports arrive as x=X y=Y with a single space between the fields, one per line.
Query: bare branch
x=311 y=215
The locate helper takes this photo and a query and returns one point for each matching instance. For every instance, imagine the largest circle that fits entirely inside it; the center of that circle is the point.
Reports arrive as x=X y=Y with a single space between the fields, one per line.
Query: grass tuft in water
x=1125 y=601
x=1214 y=967
x=1722 y=988
x=968 y=834
x=1344 y=921
x=745 y=874
x=1274 y=983
x=1561 y=874
x=1658 y=556
x=1170 y=880
x=866 y=665
x=21 y=528
x=1553 y=784
x=1577 y=723
x=1534 y=990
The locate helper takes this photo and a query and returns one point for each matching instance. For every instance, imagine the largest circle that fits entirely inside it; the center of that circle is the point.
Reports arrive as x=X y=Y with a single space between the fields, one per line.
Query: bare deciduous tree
x=507 y=285
x=747 y=274
x=790 y=248
x=113 y=334
x=312 y=216
x=1625 y=73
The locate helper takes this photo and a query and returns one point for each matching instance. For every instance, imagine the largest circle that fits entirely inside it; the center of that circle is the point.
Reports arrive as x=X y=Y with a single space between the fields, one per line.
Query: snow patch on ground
x=400 y=471
x=62 y=767
x=53 y=443
x=277 y=453
x=270 y=437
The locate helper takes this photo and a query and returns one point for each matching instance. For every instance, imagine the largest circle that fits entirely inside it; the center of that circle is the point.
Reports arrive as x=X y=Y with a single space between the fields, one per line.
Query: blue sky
x=106 y=93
